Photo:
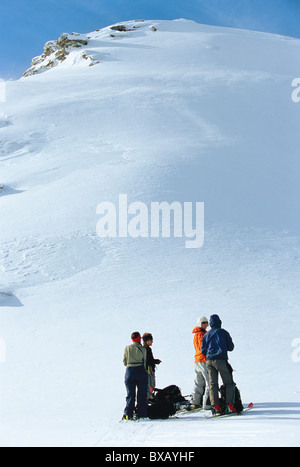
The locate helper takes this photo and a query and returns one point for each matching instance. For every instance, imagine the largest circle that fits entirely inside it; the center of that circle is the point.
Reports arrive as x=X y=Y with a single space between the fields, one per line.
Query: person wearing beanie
x=151 y=363
x=215 y=346
x=201 y=388
x=136 y=378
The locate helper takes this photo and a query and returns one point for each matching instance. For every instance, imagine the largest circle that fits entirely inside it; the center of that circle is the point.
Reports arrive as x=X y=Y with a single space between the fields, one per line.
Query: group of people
x=211 y=360
x=140 y=374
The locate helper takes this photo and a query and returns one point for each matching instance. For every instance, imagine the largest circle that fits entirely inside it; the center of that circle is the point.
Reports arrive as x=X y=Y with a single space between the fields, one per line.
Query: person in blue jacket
x=215 y=346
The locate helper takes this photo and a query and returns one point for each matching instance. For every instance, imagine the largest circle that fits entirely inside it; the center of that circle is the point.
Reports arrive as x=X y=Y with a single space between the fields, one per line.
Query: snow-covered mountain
x=170 y=111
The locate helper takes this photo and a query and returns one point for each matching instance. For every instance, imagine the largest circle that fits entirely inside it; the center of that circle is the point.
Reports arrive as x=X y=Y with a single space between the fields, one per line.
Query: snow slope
x=173 y=111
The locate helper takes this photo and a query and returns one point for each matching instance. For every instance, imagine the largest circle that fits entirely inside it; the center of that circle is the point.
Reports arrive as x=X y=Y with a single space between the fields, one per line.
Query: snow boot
x=230 y=408
x=126 y=417
x=216 y=409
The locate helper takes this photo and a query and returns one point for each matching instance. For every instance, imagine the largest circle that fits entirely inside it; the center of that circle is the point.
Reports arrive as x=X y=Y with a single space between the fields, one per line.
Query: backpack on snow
x=237 y=396
x=164 y=402
x=237 y=399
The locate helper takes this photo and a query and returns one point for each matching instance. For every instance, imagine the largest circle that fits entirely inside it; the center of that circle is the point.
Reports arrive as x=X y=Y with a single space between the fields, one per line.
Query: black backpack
x=237 y=396
x=163 y=403
x=238 y=405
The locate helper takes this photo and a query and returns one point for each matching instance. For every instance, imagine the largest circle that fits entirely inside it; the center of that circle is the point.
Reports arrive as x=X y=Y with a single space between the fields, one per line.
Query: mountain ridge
x=185 y=113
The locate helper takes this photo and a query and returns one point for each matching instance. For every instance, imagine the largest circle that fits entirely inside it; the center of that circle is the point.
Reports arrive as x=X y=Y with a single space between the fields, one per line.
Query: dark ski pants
x=214 y=368
x=136 y=382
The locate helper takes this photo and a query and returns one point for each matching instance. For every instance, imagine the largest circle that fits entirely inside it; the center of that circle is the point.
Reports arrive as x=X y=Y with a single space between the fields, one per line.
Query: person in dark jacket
x=151 y=363
x=215 y=346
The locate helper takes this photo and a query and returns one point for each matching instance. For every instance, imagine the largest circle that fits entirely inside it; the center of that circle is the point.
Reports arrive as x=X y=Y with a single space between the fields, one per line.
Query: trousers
x=201 y=389
x=136 y=382
x=151 y=381
x=214 y=368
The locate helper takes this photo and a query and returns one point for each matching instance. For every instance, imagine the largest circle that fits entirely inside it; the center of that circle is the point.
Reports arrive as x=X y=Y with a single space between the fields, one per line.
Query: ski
x=187 y=411
x=246 y=409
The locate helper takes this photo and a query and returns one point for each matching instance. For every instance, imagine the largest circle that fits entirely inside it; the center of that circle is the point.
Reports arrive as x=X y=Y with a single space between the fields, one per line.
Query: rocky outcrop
x=83 y=49
x=56 y=52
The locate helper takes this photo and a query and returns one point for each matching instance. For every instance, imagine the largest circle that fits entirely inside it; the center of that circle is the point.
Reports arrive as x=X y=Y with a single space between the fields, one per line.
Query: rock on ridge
x=77 y=49
x=56 y=52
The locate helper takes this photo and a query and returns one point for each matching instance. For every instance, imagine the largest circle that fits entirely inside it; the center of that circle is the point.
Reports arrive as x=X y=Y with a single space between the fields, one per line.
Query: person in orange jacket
x=201 y=389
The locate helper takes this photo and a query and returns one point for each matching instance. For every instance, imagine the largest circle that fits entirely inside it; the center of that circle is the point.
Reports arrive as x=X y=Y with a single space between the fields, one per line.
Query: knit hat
x=201 y=320
x=136 y=337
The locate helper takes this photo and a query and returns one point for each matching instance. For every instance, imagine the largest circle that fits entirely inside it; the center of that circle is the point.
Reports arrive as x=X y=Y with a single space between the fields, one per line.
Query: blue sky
x=25 y=25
